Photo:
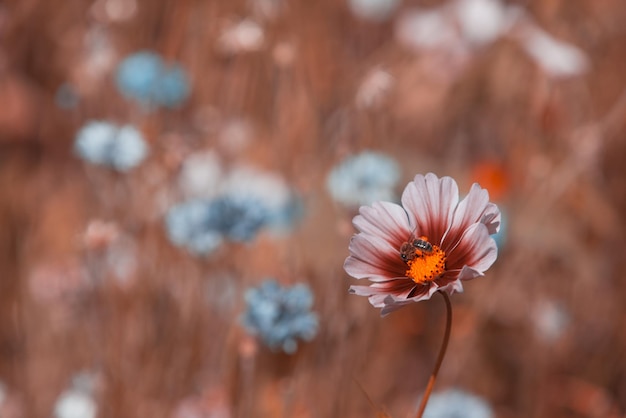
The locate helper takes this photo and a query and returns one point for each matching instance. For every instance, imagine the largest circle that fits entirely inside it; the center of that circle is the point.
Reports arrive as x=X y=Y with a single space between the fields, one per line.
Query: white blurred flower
x=100 y=234
x=235 y=134
x=200 y=174
x=454 y=403
x=121 y=260
x=556 y=58
x=98 y=59
x=244 y=36
x=459 y=26
x=74 y=403
x=114 y=10
x=427 y=29
x=364 y=178
x=374 y=10
x=481 y=21
x=269 y=188
x=374 y=88
x=550 y=320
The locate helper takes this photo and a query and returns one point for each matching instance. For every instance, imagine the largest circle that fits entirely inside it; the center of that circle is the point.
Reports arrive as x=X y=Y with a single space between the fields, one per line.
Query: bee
x=415 y=248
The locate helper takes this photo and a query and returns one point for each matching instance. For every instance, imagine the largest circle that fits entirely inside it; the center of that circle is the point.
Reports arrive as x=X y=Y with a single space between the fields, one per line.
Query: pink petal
x=469 y=273
x=453 y=286
x=392 y=303
x=398 y=288
x=389 y=306
x=491 y=217
x=384 y=219
x=468 y=212
x=476 y=249
x=430 y=202
x=377 y=259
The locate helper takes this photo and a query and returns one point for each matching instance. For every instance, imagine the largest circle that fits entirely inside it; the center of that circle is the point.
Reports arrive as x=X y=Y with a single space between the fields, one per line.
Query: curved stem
x=442 y=353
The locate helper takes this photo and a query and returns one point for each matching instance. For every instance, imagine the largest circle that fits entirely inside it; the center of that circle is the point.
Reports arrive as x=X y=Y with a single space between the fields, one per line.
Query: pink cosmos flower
x=431 y=243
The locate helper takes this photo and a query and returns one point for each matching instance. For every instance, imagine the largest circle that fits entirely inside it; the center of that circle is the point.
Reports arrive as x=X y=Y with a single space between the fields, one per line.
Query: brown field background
x=551 y=149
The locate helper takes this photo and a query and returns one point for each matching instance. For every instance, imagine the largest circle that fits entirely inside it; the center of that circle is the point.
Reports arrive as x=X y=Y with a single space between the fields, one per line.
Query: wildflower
x=430 y=29
x=363 y=179
x=97 y=59
x=103 y=143
x=373 y=10
x=241 y=37
x=237 y=217
x=550 y=320
x=188 y=225
x=200 y=174
x=455 y=403
x=556 y=58
x=77 y=401
x=431 y=243
x=113 y=11
x=201 y=225
x=374 y=88
x=482 y=21
x=146 y=78
x=280 y=315
x=269 y=190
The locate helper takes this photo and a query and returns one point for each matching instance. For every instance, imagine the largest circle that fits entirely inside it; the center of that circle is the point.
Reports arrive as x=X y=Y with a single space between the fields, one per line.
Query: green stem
x=442 y=353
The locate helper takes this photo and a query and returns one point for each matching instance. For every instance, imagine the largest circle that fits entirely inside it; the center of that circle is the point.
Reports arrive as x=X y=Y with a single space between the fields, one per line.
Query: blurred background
x=178 y=180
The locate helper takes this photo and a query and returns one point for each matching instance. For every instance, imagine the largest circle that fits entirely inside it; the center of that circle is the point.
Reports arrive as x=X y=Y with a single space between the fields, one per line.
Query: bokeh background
x=115 y=302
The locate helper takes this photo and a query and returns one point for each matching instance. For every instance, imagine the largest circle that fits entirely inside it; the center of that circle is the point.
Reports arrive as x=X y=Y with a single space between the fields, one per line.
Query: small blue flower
x=146 y=78
x=281 y=219
x=280 y=316
x=455 y=403
x=238 y=217
x=201 y=225
x=269 y=190
x=189 y=225
x=174 y=87
x=363 y=179
x=104 y=143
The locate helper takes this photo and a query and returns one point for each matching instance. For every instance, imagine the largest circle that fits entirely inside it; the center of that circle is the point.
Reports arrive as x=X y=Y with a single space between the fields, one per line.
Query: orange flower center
x=427 y=262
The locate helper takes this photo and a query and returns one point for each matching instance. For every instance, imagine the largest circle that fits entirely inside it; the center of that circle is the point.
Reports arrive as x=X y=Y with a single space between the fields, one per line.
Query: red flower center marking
x=426 y=261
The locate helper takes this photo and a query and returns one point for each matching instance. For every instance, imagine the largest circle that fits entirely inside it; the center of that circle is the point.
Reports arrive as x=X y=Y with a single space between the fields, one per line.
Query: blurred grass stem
x=442 y=353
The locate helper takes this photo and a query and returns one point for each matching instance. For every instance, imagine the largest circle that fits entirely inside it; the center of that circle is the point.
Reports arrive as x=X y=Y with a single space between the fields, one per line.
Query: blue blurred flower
x=282 y=208
x=146 y=78
x=363 y=179
x=104 y=143
x=66 y=96
x=201 y=225
x=238 y=217
x=454 y=403
x=189 y=225
x=280 y=316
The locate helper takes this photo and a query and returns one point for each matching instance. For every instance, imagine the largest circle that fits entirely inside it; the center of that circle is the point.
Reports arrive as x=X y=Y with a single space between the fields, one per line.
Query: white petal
x=384 y=219
x=473 y=208
x=476 y=249
x=430 y=202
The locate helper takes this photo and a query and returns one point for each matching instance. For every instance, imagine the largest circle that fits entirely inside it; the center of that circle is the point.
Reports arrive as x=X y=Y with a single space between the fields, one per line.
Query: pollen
x=425 y=267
